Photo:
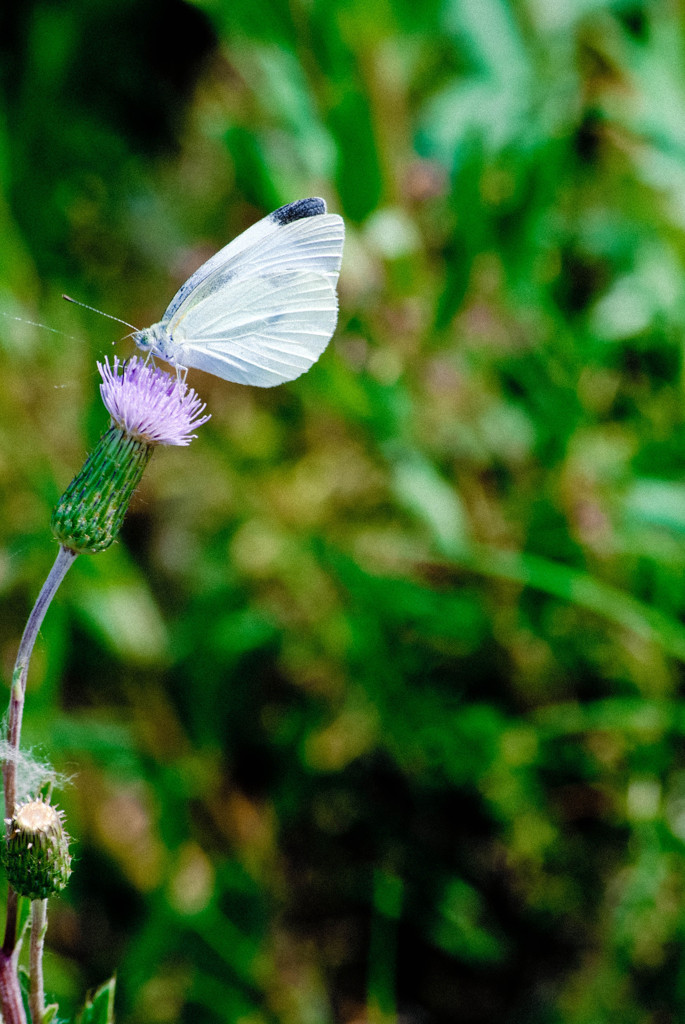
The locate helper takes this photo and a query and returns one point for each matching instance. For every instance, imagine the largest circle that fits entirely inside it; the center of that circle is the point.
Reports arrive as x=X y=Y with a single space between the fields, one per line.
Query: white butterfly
x=262 y=310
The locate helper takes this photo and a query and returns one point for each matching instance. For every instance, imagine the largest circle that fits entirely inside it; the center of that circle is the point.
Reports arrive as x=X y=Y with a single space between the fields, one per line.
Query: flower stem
x=63 y=562
x=39 y=926
x=10 y=992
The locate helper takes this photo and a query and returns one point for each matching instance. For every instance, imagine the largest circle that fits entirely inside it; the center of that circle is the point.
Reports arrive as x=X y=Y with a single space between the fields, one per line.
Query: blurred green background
x=374 y=713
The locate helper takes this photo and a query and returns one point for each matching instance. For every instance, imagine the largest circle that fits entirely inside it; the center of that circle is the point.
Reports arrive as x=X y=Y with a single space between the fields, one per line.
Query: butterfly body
x=157 y=340
x=262 y=310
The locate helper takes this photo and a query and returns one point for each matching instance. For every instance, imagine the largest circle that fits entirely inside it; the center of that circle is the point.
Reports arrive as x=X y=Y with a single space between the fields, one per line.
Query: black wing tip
x=298 y=210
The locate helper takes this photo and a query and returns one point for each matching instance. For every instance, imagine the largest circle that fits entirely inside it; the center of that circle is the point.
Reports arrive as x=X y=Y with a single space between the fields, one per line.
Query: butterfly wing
x=261 y=330
x=302 y=232
x=263 y=310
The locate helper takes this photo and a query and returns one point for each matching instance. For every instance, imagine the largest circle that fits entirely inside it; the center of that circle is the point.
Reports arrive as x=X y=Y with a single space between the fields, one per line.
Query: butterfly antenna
x=94 y=310
x=33 y=323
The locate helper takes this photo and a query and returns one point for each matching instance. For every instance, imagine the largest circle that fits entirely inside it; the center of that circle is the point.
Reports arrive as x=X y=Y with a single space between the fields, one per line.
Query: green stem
x=10 y=992
x=63 y=562
x=39 y=926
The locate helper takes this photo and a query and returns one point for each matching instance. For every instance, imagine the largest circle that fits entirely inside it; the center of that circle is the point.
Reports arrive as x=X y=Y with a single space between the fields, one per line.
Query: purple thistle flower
x=149 y=404
x=148 y=407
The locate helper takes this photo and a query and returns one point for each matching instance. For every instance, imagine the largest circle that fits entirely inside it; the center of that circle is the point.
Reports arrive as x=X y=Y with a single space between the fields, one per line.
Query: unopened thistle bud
x=37 y=857
x=148 y=407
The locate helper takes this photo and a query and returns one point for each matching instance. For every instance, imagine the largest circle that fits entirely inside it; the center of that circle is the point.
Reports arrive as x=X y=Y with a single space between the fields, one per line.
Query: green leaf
x=656 y=502
x=114 y=602
x=100 y=1009
x=358 y=177
x=50 y=1013
x=420 y=487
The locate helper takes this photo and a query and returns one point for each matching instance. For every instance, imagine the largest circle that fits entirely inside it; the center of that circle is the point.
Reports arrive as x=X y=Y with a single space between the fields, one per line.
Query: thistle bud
x=37 y=858
x=148 y=407
x=89 y=514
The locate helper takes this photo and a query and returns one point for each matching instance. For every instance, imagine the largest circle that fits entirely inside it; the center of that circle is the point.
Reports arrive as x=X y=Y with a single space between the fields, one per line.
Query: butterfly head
x=144 y=339
x=156 y=339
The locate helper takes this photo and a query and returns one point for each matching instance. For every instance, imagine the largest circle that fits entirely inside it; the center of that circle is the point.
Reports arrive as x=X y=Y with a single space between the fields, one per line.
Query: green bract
x=89 y=514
